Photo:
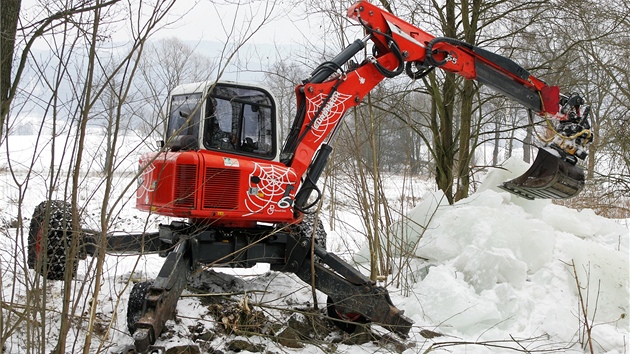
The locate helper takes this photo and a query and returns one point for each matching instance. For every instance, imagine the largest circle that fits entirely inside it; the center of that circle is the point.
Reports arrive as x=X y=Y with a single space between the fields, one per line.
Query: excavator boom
x=400 y=47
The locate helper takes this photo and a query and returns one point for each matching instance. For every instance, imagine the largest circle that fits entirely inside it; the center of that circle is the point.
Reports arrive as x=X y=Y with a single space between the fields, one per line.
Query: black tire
x=347 y=322
x=135 y=305
x=306 y=229
x=56 y=236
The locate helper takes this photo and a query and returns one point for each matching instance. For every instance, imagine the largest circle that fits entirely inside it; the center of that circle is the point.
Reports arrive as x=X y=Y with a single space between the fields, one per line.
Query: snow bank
x=501 y=264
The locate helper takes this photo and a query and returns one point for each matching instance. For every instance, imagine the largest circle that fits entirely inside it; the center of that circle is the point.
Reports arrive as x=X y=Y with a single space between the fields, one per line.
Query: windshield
x=184 y=116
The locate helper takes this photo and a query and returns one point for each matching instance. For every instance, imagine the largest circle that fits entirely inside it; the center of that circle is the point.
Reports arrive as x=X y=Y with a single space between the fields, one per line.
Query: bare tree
x=167 y=63
x=9 y=14
x=282 y=78
x=79 y=82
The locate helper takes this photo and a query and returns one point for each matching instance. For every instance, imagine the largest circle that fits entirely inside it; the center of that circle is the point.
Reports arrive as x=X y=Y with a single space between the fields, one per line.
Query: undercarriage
x=189 y=247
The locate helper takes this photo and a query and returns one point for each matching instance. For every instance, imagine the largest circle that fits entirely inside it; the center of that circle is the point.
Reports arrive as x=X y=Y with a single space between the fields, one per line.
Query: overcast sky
x=207 y=20
x=286 y=29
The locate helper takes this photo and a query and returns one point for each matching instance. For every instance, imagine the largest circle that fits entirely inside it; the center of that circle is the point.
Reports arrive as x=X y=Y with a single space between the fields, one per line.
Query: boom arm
x=400 y=47
x=424 y=50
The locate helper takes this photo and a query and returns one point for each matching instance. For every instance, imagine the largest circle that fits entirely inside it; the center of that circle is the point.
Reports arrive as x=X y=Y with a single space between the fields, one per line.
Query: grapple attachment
x=550 y=177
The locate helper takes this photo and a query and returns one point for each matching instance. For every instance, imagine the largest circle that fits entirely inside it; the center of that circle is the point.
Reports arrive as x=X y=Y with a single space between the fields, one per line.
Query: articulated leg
x=161 y=297
x=354 y=292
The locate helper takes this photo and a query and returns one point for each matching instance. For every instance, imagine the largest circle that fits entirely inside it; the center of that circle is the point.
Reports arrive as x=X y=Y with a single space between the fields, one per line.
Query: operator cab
x=222 y=116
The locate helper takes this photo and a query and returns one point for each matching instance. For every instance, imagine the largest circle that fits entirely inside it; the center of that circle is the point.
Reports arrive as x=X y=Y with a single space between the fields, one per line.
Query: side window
x=219 y=122
x=257 y=134
x=184 y=116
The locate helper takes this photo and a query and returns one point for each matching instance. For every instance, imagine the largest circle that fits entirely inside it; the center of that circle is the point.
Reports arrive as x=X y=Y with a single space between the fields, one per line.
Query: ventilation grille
x=221 y=188
x=185 y=185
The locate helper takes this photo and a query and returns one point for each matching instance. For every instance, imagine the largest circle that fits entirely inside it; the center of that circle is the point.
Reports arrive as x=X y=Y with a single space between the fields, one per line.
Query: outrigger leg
x=349 y=290
x=161 y=298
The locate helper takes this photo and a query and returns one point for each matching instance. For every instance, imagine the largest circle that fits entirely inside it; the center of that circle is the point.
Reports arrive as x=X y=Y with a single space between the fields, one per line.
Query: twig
x=584 y=308
x=225 y=294
x=499 y=344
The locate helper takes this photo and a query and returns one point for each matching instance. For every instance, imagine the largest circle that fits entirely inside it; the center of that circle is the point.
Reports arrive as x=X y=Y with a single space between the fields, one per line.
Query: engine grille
x=221 y=187
x=185 y=184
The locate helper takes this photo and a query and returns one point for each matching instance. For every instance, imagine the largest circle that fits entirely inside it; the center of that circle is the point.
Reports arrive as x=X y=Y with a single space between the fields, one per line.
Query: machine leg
x=354 y=293
x=161 y=298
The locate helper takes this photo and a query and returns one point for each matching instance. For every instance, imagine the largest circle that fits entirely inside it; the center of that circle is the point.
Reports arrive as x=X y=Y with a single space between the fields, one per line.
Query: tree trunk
x=442 y=115
x=9 y=12
x=470 y=19
x=497 y=141
x=465 y=135
x=442 y=123
x=527 y=145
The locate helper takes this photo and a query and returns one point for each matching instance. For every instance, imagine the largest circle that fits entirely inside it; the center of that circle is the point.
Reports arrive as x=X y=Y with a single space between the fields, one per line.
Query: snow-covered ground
x=494 y=271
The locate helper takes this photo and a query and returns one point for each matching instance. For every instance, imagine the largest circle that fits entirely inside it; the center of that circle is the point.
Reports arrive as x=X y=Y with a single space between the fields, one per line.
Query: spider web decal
x=146 y=186
x=330 y=114
x=274 y=183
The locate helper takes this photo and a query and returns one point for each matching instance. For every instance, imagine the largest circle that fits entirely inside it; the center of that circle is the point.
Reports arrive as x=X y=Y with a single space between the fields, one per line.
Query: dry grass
x=607 y=202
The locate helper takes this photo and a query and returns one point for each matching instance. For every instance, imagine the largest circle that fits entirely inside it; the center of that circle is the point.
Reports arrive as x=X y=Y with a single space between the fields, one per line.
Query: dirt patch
x=235 y=315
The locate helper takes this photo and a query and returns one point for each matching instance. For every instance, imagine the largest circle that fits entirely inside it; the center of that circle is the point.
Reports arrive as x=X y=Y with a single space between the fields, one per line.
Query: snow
x=502 y=265
x=491 y=269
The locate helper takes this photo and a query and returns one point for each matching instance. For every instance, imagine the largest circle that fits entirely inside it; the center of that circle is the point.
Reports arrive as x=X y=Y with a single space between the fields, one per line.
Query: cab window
x=184 y=116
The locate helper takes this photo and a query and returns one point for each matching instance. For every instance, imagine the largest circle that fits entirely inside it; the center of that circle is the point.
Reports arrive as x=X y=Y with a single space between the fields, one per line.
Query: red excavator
x=246 y=197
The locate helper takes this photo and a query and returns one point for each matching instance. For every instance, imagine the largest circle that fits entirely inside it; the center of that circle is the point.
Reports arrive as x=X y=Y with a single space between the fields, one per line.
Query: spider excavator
x=246 y=197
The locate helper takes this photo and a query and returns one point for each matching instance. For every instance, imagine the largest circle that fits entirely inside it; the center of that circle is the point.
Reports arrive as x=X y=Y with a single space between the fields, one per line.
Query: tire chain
x=59 y=229
x=306 y=229
x=136 y=303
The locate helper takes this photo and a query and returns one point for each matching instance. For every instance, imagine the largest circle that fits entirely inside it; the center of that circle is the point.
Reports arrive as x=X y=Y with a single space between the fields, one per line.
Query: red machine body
x=216 y=187
x=223 y=183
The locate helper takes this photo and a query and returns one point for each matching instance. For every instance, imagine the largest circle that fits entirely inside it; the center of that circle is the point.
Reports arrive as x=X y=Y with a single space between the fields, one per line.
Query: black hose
x=393 y=47
x=417 y=75
x=401 y=62
x=430 y=60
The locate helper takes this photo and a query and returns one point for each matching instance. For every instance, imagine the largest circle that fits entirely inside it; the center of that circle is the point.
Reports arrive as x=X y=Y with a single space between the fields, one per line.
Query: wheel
x=342 y=319
x=135 y=306
x=55 y=236
x=306 y=228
